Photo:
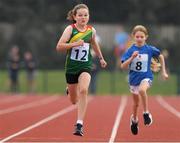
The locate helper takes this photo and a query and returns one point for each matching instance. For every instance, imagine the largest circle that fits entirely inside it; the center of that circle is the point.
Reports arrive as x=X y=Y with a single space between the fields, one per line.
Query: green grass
x=107 y=83
x=117 y=83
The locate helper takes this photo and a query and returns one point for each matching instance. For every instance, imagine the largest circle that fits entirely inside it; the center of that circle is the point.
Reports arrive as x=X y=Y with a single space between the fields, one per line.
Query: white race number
x=80 y=53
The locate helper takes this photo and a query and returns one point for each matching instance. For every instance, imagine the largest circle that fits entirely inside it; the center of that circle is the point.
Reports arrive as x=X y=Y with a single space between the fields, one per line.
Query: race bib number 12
x=80 y=53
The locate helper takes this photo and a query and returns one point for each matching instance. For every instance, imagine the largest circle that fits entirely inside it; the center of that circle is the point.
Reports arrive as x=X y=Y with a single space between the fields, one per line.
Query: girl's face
x=140 y=38
x=82 y=16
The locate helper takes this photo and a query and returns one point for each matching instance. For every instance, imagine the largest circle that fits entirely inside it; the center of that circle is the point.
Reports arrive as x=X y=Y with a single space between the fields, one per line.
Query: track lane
x=13 y=101
x=31 y=104
x=8 y=99
x=173 y=101
x=99 y=120
x=165 y=125
x=12 y=123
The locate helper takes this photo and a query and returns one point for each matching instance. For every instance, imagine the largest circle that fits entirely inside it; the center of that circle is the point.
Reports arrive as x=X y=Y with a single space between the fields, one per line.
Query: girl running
x=138 y=59
x=77 y=39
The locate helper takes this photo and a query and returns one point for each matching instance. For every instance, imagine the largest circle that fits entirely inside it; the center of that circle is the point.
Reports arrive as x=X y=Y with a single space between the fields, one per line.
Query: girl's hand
x=135 y=54
x=79 y=43
x=165 y=75
x=103 y=63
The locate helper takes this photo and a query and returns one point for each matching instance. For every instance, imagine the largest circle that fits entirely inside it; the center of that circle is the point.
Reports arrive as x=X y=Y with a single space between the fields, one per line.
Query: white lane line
x=168 y=107
x=100 y=142
x=11 y=99
x=49 y=118
x=118 y=118
x=43 y=121
x=28 y=105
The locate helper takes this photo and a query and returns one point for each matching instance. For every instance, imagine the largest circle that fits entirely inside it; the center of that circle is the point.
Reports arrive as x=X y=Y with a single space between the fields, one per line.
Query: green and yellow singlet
x=80 y=57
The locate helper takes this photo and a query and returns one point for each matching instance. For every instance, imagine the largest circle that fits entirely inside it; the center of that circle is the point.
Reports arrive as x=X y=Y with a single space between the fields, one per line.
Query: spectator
x=121 y=43
x=30 y=66
x=94 y=73
x=13 y=65
x=95 y=69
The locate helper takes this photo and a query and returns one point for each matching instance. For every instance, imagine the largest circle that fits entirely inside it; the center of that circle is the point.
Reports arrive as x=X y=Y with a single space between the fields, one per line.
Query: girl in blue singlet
x=138 y=59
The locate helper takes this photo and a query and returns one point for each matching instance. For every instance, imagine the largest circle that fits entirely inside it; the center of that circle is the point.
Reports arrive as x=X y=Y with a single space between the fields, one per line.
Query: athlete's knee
x=83 y=91
x=142 y=92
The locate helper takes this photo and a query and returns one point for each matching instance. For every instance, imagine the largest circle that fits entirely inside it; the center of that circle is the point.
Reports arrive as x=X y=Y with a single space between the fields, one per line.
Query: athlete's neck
x=81 y=28
x=139 y=44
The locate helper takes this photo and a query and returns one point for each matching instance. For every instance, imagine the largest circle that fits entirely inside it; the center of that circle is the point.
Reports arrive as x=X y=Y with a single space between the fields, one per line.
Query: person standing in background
x=94 y=73
x=121 y=43
x=95 y=69
x=30 y=66
x=13 y=65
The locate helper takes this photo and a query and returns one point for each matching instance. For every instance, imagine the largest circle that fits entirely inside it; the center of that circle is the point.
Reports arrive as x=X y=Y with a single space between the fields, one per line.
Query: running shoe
x=78 y=130
x=147 y=119
x=134 y=126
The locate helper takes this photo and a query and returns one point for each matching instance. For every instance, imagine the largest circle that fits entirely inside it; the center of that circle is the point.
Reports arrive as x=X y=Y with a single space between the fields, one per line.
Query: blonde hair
x=73 y=12
x=140 y=28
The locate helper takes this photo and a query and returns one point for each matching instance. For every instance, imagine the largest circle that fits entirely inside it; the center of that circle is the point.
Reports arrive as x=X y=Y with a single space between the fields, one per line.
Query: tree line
x=37 y=24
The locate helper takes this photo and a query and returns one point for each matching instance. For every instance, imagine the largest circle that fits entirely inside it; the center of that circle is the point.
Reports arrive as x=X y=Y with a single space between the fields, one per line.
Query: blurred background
x=33 y=28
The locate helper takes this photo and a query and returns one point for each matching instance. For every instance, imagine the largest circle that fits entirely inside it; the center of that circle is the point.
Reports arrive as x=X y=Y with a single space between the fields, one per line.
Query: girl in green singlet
x=77 y=39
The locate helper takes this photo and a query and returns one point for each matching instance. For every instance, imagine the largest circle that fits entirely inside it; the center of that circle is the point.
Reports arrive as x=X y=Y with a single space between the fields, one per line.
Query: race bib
x=80 y=53
x=140 y=63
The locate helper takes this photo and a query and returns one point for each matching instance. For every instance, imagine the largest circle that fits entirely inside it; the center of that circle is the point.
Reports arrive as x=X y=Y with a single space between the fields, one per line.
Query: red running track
x=52 y=118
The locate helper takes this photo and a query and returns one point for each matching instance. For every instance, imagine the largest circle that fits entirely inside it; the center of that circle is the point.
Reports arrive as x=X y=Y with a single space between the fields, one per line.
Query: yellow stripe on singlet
x=80 y=35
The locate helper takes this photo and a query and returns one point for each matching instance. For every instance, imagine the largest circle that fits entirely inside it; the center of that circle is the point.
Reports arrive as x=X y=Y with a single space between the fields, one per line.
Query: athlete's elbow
x=122 y=65
x=59 y=47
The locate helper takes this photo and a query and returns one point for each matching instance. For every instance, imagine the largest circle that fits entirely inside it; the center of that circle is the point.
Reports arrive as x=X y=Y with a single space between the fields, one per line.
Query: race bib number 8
x=140 y=63
x=80 y=53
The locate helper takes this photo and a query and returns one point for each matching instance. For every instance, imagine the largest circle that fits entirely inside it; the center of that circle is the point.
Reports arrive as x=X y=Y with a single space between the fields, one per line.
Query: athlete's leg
x=72 y=92
x=83 y=82
x=142 y=91
x=134 y=116
x=135 y=106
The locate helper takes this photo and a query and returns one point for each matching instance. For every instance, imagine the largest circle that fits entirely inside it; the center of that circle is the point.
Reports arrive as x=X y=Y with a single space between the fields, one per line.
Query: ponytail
x=70 y=16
